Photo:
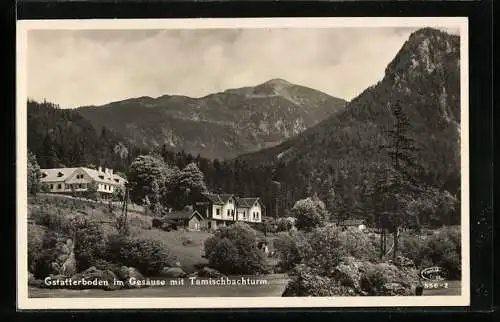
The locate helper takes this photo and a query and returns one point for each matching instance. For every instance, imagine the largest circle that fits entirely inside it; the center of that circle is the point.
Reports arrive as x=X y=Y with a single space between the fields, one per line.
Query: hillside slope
x=424 y=78
x=221 y=125
x=63 y=138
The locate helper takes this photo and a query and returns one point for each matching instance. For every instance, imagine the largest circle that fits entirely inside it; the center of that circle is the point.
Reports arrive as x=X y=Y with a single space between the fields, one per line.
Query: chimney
x=99 y=169
x=110 y=172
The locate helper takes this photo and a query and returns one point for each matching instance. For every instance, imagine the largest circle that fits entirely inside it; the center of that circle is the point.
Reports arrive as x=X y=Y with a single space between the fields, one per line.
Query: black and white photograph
x=239 y=163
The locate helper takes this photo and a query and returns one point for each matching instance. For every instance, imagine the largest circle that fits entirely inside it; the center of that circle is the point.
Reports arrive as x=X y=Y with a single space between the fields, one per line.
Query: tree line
x=165 y=179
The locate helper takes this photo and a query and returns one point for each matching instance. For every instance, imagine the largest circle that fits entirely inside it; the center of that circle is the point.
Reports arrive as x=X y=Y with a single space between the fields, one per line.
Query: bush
x=385 y=279
x=309 y=213
x=233 y=250
x=104 y=265
x=359 y=245
x=290 y=248
x=326 y=249
x=147 y=255
x=441 y=247
x=89 y=242
x=444 y=250
x=35 y=241
x=41 y=263
x=284 y=224
x=54 y=220
x=307 y=282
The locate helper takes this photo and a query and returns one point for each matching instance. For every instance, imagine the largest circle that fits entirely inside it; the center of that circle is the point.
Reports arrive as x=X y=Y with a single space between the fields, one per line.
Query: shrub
x=444 y=250
x=104 y=265
x=385 y=279
x=326 y=249
x=233 y=250
x=89 y=242
x=147 y=255
x=359 y=245
x=441 y=248
x=291 y=248
x=35 y=246
x=309 y=213
x=41 y=263
x=307 y=282
x=284 y=224
x=54 y=220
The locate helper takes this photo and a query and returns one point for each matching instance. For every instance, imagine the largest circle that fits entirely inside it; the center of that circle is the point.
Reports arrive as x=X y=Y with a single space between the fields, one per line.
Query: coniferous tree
x=395 y=190
x=33 y=174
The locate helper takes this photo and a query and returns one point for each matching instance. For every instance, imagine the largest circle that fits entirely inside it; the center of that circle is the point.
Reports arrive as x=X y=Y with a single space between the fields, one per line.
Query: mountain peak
x=429 y=33
x=278 y=81
x=427 y=50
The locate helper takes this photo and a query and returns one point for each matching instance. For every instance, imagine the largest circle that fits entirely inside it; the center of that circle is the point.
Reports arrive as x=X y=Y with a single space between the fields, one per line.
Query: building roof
x=215 y=199
x=58 y=174
x=103 y=176
x=246 y=202
x=225 y=197
x=218 y=199
x=183 y=214
x=352 y=222
x=62 y=174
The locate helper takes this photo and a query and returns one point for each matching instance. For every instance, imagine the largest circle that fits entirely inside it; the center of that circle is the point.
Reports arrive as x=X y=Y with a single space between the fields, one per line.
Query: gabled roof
x=62 y=174
x=225 y=197
x=218 y=199
x=215 y=199
x=104 y=177
x=246 y=202
x=55 y=175
x=183 y=214
x=352 y=222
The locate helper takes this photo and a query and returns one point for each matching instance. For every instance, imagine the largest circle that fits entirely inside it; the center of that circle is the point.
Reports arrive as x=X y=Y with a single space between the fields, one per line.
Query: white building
x=224 y=209
x=68 y=180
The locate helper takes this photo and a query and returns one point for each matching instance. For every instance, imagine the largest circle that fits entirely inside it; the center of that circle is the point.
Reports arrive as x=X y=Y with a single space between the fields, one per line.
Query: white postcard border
x=24 y=302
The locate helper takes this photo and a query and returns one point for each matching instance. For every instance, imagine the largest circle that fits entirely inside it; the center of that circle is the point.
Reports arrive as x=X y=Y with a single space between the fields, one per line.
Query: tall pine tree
x=393 y=190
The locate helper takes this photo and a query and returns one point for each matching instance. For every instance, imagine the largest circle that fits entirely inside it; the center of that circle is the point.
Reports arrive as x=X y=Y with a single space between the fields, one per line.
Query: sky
x=75 y=68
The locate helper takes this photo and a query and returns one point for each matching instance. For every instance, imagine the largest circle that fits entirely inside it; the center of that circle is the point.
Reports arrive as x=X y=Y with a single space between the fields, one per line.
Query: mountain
x=424 y=78
x=221 y=125
x=63 y=138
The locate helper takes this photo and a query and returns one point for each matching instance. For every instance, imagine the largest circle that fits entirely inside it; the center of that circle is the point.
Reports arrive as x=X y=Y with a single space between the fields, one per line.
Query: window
x=51 y=186
x=228 y=212
x=217 y=211
x=59 y=186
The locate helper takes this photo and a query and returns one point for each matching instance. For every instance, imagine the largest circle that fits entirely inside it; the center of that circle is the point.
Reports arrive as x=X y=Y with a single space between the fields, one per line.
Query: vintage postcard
x=242 y=163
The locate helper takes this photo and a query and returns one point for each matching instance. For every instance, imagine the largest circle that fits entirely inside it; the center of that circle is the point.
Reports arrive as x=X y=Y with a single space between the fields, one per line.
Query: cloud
x=93 y=67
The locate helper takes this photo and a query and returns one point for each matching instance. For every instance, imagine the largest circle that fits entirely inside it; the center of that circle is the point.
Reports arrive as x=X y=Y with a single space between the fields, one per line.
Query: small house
x=187 y=218
x=226 y=209
x=354 y=223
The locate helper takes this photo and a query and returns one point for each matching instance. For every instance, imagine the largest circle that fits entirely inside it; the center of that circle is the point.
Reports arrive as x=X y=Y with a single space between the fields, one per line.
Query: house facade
x=69 y=180
x=249 y=209
x=225 y=209
x=187 y=218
